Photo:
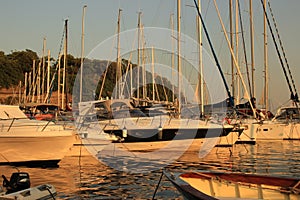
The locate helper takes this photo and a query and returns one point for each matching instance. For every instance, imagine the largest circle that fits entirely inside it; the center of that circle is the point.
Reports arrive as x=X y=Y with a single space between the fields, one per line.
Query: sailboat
x=285 y=125
x=161 y=127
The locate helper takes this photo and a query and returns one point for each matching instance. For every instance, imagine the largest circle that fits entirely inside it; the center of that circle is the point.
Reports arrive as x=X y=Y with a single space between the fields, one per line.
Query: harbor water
x=81 y=176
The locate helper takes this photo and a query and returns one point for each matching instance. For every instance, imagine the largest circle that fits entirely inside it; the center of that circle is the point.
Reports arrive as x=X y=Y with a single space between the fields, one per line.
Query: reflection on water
x=85 y=178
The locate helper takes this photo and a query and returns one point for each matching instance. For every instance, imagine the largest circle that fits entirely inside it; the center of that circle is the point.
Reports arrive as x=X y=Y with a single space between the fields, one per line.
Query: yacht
x=30 y=141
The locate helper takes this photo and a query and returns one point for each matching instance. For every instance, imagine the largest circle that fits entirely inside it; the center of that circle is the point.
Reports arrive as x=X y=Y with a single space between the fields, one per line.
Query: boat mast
x=48 y=76
x=118 y=72
x=138 y=58
x=153 y=80
x=65 y=65
x=252 y=47
x=82 y=52
x=131 y=85
x=25 y=87
x=144 y=91
x=237 y=82
x=178 y=55
x=200 y=89
x=234 y=59
x=43 y=68
x=231 y=43
x=266 y=88
x=244 y=47
x=172 y=58
x=39 y=83
x=58 y=80
x=33 y=86
x=293 y=97
x=29 y=87
x=20 y=92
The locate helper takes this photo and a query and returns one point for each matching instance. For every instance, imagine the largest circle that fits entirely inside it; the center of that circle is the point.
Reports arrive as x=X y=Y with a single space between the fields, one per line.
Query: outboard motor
x=18 y=181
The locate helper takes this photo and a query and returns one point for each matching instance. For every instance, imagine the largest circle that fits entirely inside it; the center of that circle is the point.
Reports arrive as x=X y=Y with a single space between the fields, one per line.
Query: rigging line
x=157 y=186
x=206 y=10
x=164 y=88
x=103 y=80
x=215 y=56
x=9 y=162
x=128 y=65
x=244 y=48
x=282 y=49
x=61 y=44
x=31 y=86
x=277 y=50
x=109 y=63
x=234 y=59
x=51 y=84
x=56 y=63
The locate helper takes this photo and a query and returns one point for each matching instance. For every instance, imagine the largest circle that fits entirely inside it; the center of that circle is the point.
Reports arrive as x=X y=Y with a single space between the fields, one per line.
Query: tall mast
x=172 y=57
x=235 y=61
x=43 y=68
x=131 y=85
x=39 y=83
x=214 y=54
x=25 y=87
x=252 y=47
x=200 y=76
x=33 y=86
x=20 y=92
x=29 y=87
x=82 y=52
x=65 y=65
x=178 y=55
x=153 y=80
x=231 y=43
x=266 y=88
x=138 y=57
x=237 y=51
x=59 y=81
x=118 y=72
x=143 y=66
x=48 y=75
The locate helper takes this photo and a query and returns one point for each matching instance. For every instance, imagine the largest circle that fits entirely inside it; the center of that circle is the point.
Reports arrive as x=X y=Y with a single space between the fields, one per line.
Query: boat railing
x=10 y=124
x=46 y=126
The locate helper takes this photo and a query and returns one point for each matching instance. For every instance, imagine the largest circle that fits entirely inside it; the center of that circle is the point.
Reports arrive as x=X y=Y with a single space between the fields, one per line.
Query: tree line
x=14 y=65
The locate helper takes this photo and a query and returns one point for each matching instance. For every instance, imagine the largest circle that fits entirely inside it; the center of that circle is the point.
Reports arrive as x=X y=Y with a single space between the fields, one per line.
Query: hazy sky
x=24 y=24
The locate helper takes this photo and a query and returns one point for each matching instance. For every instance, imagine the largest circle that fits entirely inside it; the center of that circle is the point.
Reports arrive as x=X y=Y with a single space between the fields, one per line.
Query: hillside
x=17 y=65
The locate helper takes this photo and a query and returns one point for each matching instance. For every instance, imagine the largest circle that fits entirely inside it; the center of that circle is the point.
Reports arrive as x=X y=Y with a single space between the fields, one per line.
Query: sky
x=24 y=24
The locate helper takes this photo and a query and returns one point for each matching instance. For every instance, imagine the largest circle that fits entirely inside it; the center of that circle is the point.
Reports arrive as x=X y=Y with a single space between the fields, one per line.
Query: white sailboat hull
x=269 y=130
x=279 y=131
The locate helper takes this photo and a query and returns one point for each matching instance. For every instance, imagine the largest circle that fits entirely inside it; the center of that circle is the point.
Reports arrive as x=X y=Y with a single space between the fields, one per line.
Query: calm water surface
x=84 y=177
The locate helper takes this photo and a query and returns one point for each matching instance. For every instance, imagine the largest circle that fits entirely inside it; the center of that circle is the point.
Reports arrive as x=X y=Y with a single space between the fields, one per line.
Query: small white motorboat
x=18 y=187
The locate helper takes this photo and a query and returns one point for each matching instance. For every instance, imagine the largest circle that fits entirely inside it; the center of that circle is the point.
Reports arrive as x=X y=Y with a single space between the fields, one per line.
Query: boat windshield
x=287 y=113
